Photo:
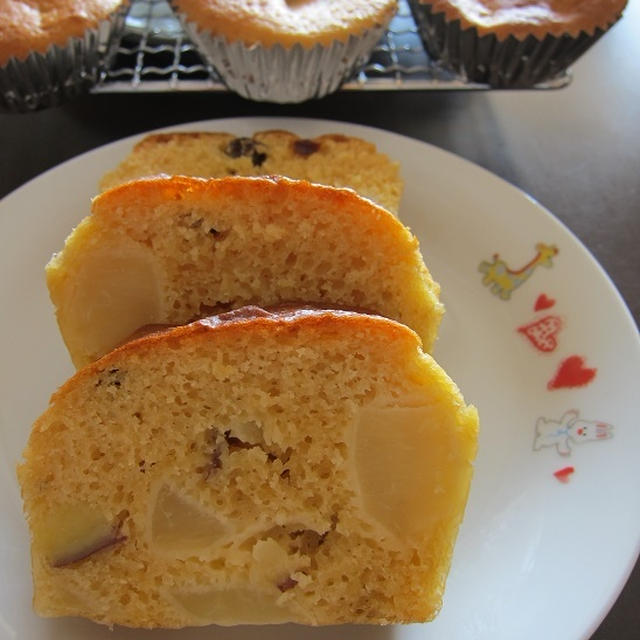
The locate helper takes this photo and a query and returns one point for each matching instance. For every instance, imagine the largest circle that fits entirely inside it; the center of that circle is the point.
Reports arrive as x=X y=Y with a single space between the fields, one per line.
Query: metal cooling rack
x=155 y=54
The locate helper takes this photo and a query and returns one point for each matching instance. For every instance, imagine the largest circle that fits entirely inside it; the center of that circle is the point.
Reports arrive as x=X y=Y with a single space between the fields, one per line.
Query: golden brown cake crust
x=270 y=22
x=172 y=136
x=172 y=186
x=287 y=319
x=332 y=159
x=34 y=25
x=530 y=17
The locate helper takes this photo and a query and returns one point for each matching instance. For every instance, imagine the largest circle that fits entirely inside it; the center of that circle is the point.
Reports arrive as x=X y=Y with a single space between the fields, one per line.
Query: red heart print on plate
x=542 y=333
x=543 y=302
x=572 y=373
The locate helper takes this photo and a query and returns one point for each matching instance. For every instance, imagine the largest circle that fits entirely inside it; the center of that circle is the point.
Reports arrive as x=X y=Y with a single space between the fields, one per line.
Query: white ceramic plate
x=536 y=557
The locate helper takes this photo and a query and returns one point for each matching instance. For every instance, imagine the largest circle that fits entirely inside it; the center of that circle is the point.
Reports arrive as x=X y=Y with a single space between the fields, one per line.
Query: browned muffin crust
x=504 y=18
x=270 y=22
x=35 y=25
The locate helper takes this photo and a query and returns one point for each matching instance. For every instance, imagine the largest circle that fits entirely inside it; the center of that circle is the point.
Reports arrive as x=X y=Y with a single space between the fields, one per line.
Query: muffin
x=280 y=51
x=165 y=251
x=53 y=51
x=332 y=159
x=307 y=466
x=512 y=44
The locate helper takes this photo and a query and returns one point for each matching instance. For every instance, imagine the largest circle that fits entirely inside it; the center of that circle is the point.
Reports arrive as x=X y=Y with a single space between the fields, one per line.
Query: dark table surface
x=575 y=150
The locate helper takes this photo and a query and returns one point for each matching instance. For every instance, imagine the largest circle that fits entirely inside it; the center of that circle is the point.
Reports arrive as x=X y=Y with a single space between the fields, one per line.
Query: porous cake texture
x=170 y=250
x=305 y=465
x=331 y=159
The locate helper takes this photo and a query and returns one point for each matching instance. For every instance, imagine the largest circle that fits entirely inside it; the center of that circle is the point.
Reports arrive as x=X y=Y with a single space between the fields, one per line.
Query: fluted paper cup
x=284 y=74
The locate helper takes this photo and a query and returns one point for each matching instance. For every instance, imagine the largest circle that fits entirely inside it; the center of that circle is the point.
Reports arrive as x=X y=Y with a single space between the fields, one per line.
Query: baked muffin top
x=34 y=25
x=287 y=22
x=521 y=18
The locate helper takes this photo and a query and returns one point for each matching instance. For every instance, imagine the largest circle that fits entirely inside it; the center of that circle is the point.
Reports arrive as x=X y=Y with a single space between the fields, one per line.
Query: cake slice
x=256 y=467
x=332 y=159
x=170 y=250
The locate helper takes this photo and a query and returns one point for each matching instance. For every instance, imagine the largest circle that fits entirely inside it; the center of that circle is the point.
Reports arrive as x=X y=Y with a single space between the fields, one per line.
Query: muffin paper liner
x=61 y=73
x=283 y=74
x=508 y=63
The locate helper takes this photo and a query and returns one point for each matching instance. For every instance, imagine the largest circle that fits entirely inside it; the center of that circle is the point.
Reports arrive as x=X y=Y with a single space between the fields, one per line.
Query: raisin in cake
x=174 y=249
x=305 y=465
x=332 y=159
